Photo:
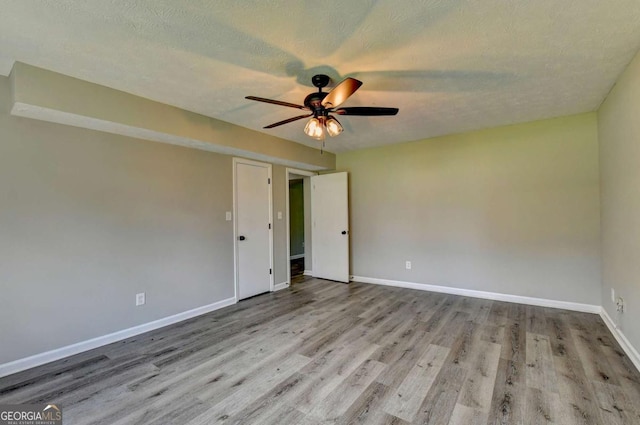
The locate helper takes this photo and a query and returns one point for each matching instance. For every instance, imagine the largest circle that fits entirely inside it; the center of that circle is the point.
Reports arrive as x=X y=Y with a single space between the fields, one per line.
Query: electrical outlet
x=140 y=299
x=620 y=305
x=408 y=265
x=613 y=295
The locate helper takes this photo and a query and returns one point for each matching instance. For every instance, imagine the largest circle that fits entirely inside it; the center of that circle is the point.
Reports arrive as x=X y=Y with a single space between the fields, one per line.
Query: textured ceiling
x=450 y=66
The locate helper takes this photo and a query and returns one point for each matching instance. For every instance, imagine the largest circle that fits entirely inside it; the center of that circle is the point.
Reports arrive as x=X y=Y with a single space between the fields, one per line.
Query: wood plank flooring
x=324 y=352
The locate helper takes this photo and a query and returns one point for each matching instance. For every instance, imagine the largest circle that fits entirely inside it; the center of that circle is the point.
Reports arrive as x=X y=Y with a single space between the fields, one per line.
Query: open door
x=330 y=215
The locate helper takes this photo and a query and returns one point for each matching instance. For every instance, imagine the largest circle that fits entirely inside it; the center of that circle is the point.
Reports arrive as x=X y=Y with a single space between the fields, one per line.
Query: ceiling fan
x=322 y=104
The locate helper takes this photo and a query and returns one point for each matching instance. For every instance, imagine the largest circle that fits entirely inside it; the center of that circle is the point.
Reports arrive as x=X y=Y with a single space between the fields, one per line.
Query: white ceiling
x=449 y=65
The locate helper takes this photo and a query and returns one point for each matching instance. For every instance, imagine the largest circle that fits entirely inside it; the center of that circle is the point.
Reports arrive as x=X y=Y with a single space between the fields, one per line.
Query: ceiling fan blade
x=367 y=111
x=341 y=92
x=287 y=121
x=275 y=102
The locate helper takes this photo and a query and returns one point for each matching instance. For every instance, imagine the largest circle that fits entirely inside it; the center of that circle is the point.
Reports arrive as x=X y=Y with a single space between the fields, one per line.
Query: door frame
x=304 y=173
x=269 y=168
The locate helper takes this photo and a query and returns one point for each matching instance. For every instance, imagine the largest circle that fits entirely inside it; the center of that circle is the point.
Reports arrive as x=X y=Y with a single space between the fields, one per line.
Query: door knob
x=344 y=232
x=241 y=238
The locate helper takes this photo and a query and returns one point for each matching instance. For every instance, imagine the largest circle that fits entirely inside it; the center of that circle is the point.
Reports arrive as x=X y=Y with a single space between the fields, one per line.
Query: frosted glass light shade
x=333 y=127
x=314 y=129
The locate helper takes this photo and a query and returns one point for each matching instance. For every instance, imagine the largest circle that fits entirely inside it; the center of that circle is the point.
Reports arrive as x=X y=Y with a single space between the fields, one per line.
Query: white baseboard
x=70 y=350
x=295 y=257
x=628 y=348
x=542 y=302
x=308 y=273
x=280 y=286
x=57 y=354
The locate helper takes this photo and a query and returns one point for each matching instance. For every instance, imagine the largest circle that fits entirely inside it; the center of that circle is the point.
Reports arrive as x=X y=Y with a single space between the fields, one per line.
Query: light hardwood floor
x=325 y=352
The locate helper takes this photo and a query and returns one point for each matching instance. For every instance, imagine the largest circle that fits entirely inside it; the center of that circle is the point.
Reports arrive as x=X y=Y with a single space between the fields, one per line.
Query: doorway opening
x=296 y=226
x=299 y=224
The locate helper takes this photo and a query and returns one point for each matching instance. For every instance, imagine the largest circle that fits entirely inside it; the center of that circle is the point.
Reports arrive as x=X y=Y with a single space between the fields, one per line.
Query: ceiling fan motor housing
x=314 y=101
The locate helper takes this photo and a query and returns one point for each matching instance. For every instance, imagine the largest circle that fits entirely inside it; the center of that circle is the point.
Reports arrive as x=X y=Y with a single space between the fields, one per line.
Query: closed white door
x=253 y=228
x=330 y=216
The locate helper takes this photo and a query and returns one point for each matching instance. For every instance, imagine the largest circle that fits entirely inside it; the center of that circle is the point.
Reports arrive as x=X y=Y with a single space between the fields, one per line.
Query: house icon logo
x=51 y=406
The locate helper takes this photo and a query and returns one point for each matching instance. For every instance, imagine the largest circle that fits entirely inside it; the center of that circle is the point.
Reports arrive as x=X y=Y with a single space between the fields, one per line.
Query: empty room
x=297 y=212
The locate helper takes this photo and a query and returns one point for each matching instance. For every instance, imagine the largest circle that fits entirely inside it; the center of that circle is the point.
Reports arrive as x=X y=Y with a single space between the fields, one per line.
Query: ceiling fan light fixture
x=333 y=127
x=319 y=105
x=314 y=129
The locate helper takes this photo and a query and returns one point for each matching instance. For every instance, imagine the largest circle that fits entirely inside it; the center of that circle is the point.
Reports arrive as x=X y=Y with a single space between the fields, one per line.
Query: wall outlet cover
x=620 y=305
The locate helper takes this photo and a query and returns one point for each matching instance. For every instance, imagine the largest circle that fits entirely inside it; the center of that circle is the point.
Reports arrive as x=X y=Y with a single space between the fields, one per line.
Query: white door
x=252 y=228
x=330 y=215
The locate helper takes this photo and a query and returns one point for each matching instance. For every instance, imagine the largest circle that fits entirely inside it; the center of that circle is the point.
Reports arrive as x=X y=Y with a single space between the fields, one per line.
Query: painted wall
x=281 y=262
x=513 y=210
x=89 y=219
x=46 y=95
x=619 y=136
x=296 y=216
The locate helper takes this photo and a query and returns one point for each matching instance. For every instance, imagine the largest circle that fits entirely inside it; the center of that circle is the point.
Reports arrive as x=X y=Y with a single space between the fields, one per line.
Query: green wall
x=512 y=210
x=619 y=133
x=296 y=216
